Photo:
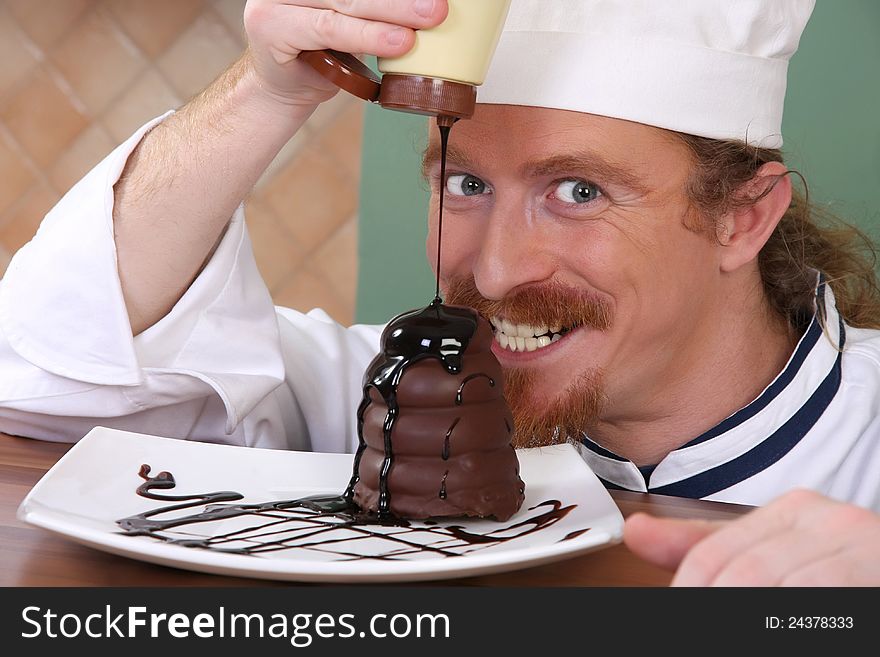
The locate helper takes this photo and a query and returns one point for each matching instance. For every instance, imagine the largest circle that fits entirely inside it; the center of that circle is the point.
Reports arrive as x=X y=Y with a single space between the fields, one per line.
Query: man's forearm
x=185 y=180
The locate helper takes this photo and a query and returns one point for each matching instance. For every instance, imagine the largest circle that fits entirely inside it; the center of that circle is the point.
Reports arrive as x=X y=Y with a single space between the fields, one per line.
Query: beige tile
x=312 y=197
x=342 y=137
x=290 y=150
x=147 y=98
x=306 y=291
x=329 y=111
x=15 y=177
x=232 y=12
x=98 y=60
x=46 y=21
x=199 y=55
x=18 y=57
x=92 y=146
x=276 y=252
x=154 y=24
x=42 y=118
x=21 y=223
x=336 y=261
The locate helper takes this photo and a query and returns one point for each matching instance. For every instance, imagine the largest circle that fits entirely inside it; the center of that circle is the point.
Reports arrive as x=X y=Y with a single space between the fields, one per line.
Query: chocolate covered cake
x=434 y=426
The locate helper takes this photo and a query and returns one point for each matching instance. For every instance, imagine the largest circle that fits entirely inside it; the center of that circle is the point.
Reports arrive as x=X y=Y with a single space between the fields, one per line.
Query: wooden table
x=30 y=556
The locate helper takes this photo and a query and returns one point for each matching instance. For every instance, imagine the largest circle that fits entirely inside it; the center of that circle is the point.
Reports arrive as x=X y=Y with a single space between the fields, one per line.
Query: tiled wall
x=78 y=76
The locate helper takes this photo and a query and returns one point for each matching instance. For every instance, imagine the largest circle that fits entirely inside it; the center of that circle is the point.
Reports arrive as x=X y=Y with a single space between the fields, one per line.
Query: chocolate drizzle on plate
x=328 y=525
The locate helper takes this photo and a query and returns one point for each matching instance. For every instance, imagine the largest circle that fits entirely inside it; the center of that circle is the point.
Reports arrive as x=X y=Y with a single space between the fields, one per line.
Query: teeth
x=524 y=337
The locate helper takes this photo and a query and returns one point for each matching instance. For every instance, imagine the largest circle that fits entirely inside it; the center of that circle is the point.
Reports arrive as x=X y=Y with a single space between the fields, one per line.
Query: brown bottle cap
x=406 y=93
x=433 y=96
x=345 y=71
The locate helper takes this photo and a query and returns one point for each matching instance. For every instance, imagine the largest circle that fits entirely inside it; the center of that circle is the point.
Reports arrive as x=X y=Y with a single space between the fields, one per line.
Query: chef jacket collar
x=754 y=437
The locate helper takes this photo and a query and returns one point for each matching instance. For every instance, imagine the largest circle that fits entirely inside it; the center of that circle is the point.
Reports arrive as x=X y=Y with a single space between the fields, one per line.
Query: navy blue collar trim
x=811 y=337
x=777 y=444
x=809 y=340
x=601 y=451
x=768 y=451
x=610 y=485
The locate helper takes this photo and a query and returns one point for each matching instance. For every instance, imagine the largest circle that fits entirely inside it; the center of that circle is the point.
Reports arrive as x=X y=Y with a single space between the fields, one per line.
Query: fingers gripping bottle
x=439 y=76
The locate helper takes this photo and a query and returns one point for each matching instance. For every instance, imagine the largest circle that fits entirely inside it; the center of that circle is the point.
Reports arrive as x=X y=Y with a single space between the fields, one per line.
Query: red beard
x=539 y=420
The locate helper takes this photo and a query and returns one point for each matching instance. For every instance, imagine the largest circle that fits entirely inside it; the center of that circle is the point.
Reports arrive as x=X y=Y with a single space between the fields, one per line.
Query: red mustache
x=553 y=304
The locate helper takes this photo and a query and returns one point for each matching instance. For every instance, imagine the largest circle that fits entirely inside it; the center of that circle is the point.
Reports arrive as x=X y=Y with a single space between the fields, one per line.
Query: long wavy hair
x=808 y=237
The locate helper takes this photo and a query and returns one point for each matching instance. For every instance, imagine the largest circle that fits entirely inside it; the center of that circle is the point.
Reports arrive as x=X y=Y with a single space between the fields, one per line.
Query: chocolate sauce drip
x=443 y=485
x=458 y=398
x=319 y=524
x=440 y=332
x=445 y=454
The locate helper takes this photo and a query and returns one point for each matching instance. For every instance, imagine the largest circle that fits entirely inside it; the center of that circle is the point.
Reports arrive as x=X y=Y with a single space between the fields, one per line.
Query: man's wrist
x=251 y=90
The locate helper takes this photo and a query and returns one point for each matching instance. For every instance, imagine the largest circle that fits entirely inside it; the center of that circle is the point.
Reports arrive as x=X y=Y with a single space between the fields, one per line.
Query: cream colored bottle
x=460 y=48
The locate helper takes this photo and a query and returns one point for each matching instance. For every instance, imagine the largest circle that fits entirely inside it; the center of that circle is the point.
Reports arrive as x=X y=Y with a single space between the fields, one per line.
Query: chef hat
x=713 y=68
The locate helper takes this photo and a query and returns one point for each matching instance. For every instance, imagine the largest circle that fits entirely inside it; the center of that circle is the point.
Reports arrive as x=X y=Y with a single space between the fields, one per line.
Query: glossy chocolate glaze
x=433 y=424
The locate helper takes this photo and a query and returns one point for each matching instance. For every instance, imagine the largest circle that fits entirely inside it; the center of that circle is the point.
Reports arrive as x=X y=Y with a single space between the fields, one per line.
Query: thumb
x=665 y=541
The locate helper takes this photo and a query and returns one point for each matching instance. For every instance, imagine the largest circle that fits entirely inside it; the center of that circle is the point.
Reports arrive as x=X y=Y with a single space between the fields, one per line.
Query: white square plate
x=566 y=512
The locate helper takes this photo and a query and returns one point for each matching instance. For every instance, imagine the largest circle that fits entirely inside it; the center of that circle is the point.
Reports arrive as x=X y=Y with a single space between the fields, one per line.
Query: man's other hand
x=799 y=539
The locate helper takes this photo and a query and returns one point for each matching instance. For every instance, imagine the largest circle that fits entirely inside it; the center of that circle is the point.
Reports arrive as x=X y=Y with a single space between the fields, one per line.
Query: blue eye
x=463 y=184
x=577 y=191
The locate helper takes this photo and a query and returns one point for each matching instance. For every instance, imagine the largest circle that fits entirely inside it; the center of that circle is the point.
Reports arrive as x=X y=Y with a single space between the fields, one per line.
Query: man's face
x=566 y=224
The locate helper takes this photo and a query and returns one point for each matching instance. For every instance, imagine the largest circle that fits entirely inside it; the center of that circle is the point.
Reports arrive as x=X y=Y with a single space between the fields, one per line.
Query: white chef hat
x=713 y=68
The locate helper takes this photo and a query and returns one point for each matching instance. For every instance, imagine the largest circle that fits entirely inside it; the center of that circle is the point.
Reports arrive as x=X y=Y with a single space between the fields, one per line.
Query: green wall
x=393 y=271
x=832 y=109
x=832 y=136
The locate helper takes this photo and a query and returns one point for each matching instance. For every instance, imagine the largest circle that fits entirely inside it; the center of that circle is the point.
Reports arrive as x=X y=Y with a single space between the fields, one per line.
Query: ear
x=744 y=231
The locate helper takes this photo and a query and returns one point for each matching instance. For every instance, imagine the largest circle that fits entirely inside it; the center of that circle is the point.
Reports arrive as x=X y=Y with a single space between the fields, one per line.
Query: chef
x=618 y=207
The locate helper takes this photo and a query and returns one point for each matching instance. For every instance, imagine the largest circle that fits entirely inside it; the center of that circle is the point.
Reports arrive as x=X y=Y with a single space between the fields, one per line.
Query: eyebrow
x=453 y=154
x=586 y=163
x=583 y=163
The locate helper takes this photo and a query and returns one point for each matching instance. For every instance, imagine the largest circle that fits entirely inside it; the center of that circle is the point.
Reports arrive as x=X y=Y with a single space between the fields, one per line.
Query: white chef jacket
x=227 y=366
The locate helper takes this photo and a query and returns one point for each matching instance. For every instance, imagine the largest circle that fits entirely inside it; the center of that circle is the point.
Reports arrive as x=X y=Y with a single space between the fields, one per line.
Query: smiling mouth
x=524 y=337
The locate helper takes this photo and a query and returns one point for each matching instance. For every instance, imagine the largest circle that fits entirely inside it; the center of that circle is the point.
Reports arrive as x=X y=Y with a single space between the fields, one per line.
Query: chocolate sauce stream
x=444 y=143
x=319 y=524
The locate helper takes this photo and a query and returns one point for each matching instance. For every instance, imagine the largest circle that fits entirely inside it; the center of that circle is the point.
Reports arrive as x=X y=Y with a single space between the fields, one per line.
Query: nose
x=512 y=253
